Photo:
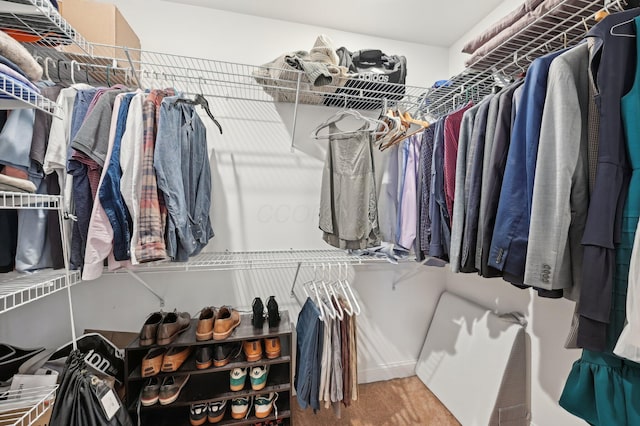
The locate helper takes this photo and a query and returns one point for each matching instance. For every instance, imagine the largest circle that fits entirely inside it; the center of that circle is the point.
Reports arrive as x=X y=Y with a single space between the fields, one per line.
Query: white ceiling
x=433 y=22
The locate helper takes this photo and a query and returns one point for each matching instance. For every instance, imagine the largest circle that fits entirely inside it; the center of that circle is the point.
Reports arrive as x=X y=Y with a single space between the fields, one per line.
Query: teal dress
x=602 y=388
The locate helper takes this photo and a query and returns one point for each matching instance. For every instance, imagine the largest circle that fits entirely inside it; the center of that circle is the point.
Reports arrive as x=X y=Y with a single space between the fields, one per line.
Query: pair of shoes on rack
x=273 y=314
x=165 y=360
x=213 y=412
x=264 y=405
x=166 y=392
x=217 y=324
x=219 y=355
x=257 y=376
x=163 y=328
x=253 y=348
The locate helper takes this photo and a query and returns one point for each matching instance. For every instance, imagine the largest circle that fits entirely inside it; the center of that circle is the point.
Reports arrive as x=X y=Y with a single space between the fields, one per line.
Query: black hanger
x=204 y=103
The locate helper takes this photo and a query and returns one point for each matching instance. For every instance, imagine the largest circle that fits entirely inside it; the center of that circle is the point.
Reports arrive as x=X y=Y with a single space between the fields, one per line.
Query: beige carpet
x=393 y=403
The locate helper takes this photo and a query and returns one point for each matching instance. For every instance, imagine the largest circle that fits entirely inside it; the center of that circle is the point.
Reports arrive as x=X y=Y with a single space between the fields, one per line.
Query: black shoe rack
x=212 y=384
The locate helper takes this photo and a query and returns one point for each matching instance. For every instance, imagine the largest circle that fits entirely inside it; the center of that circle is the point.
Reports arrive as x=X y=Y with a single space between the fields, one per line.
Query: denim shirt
x=510 y=236
x=182 y=168
x=109 y=192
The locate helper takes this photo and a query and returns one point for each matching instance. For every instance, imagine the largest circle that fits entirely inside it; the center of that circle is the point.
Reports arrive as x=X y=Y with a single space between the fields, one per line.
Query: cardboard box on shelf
x=7 y=418
x=120 y=339
x=101 y=23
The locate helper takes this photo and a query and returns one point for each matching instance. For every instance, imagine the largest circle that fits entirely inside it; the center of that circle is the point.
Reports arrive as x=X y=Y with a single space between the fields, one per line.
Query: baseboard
x=383 y=372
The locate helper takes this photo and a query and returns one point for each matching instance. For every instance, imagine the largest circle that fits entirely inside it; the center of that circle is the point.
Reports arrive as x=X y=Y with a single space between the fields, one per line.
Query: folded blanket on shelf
x=16 y=53
x=552 y=7
x=501 y=25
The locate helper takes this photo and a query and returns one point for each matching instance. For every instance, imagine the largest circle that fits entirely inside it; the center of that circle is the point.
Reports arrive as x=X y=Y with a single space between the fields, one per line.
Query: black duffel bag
x=375 y=76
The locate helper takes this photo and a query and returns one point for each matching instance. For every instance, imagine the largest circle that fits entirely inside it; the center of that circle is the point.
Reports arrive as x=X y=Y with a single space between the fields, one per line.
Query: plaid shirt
x=153 y=212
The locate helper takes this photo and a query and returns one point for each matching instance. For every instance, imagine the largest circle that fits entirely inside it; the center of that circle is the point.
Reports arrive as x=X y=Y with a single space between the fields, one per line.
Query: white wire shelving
x=17 y=289
x=44 y=26
x=230 y=261
x=563 y=25
x=23 y=200
x=25 y=407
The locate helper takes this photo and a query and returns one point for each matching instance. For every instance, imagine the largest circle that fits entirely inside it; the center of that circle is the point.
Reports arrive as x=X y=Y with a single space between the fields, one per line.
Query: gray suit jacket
x=457 y=221
x=561 y=187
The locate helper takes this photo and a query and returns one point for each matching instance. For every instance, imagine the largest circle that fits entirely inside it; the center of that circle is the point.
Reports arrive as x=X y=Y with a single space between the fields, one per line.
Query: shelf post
x=65 y=255
x=295 y=113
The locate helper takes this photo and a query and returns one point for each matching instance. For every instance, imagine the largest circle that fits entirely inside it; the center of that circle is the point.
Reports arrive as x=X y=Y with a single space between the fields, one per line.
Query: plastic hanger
x=613 y=28
x=319 y=302
x=332 y=295
x=340 y=283
x=202 y=101
x=46 y=68
x=353 y=297
x=329 y=308
x=73 y=69
x=349 y=113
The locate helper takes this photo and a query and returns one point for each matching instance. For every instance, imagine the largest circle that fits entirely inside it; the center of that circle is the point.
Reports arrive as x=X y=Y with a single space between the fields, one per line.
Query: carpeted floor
x=392 y=403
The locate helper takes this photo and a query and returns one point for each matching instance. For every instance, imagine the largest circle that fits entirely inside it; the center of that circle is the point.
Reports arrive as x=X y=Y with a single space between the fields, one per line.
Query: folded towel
x=16 y=53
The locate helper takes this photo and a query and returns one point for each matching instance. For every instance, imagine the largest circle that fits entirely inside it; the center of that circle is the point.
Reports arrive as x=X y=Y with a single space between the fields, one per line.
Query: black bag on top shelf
x=376 y=76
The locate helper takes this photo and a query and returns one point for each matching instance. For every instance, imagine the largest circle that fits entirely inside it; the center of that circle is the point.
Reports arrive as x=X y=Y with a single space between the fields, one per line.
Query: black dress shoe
x=258 y=313
x=204 y=357
x=273 y=312
x=225 y=352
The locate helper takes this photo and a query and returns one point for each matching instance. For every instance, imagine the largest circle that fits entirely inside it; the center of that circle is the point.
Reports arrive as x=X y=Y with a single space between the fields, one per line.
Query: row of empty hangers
x=322 y=287
x=52 y=70
x=73 y=68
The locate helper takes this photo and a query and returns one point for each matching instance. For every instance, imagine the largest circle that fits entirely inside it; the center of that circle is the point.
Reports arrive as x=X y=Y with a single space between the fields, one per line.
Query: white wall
x=548 y=320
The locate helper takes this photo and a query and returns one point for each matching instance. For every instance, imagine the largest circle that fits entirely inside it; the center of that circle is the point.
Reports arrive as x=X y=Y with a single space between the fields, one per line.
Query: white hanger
x=346 y=113
x=73 y=69
x=629 y=21
x=318 y=301
x=340 y=283
x=329 y=308
x=353 y=297
x=337 y=309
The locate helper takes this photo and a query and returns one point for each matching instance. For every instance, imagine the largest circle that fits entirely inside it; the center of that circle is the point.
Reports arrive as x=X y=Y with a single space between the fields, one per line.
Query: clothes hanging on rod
x=555 y=210
x=348 y=208
x=326 y=370
x=103 y=135
x=151 y=204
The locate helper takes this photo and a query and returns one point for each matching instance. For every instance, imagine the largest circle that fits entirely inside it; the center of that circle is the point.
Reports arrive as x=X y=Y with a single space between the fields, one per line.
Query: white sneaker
x=240 y=407
x=264 y=405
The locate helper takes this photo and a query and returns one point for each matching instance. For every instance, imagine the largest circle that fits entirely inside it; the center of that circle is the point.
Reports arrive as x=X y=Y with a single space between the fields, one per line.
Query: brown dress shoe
x=150 y=329
x=174 y=358
x=152 y=362
x=226 y=321
x=252 y=350
x=205 y=324
x=171 y=326
x=272 y=347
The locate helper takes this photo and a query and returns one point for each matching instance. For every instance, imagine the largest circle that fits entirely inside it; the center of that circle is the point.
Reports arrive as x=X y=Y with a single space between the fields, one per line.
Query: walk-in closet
x=287 y=213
